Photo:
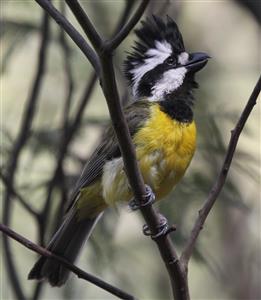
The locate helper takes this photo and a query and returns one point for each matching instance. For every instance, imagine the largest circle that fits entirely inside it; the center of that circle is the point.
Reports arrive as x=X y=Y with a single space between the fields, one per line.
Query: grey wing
x=92 y=171
x=136 y=114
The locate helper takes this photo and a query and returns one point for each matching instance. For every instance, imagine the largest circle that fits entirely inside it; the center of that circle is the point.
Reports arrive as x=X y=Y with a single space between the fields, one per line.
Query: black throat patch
x=178 y=110
x=179 y=104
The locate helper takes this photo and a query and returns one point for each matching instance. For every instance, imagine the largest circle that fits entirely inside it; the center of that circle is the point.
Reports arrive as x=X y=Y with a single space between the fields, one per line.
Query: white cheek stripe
x=171 y=80
x=156 y=56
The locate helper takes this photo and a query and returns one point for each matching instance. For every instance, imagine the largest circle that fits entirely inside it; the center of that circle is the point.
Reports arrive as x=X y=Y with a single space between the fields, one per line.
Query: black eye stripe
x=149 y=79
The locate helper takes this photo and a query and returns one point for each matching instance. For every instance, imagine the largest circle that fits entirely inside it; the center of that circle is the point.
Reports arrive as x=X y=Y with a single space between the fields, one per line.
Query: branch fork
x=100 y=56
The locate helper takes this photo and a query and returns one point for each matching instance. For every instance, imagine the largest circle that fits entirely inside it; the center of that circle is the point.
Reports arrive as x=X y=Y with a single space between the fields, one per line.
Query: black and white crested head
x=159 y=63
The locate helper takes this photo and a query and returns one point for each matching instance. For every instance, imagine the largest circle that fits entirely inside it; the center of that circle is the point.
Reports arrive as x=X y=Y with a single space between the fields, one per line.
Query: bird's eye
x=171 y=61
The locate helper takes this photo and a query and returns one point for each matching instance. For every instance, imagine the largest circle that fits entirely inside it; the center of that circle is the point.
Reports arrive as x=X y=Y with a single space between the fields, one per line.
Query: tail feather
x=67 y=242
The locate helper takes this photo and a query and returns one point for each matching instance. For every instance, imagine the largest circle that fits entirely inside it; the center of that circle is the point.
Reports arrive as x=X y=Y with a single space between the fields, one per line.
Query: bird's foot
x=149 y=198
x=162 y=228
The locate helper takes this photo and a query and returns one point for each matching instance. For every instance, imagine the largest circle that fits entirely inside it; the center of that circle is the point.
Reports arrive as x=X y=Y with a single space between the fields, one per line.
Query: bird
x=161 y=76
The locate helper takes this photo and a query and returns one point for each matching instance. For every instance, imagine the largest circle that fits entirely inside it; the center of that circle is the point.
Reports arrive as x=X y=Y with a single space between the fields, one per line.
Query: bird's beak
x=197 y=61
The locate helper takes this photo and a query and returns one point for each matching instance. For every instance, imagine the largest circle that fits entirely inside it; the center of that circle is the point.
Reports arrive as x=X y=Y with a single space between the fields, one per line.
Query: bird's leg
x=148 y=198
x=163 y=227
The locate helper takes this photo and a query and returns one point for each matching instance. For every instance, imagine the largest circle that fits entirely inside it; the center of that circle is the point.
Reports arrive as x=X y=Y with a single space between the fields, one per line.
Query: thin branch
x=176 y=272
x=129 y=4
x=121 y=35
x=69 y=82
x=121 y=127
x=89 y=88
x=218 y=185
x=13 y=191
x=80 y=273
x=85 y=23
x=72 y=127
x=27 y=119
x=168 y=253
x=37 y=290
x=72 y=32
x=64 y=145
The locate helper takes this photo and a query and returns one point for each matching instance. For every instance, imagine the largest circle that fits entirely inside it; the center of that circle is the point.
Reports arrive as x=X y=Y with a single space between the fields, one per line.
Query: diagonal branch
x=85 y=23
x=125 y=30
x=167 y=251
x=129 y=4
x=218 y=185
x=72 y=32
x=166 y=248
x=80 y=273
x=176 y=273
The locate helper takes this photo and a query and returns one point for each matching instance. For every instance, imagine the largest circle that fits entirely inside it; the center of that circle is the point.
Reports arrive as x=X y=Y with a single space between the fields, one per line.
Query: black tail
x=67 y=242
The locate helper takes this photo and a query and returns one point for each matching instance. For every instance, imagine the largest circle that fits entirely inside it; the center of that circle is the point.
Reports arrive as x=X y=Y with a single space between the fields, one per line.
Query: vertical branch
x=73 y=126
x=58 y=174
x=105 y=51
x=102 y=61
x=27 y=119
x=176 y=272
x=69 y=83
x=69 y=88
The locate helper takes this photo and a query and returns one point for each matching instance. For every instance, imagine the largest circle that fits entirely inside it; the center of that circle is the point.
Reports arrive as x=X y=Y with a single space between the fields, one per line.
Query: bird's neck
x=179 y=103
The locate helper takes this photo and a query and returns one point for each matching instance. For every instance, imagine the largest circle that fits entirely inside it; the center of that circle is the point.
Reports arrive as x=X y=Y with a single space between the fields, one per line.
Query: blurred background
x=47 y=81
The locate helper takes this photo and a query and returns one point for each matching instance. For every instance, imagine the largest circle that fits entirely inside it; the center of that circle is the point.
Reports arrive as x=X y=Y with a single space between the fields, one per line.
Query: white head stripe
x=183 y=58
x=156 y=56
x=170 y=81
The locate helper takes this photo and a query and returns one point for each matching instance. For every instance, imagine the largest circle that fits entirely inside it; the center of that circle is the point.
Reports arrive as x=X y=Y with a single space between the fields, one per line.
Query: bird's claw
x=148 y=198
x=162 y=228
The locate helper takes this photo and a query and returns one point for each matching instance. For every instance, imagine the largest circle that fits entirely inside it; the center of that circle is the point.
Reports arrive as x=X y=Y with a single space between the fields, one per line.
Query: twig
x=167 y=251
x=80 y=273
x=72 y=127
x=72 y=32
x=64 y=145
x=85 y=23
x=121 y=35
x=220 y=181
x=86 y=96
x=13 y=191
x=129 y=4
x=69 y=82
x=177 y=274
x=23 y=134
x=62 y=148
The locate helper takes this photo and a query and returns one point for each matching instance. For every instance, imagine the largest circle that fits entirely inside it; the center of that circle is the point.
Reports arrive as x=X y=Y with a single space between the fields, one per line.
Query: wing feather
x=136 y=114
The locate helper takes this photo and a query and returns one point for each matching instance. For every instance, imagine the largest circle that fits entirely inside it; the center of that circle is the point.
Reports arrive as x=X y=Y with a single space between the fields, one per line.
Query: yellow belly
x=164 y=150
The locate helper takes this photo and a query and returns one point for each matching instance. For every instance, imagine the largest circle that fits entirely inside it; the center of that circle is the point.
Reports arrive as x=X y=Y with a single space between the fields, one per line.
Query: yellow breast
x=164 y=148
